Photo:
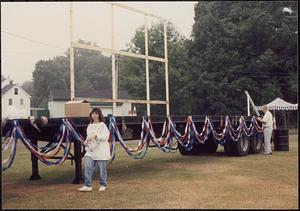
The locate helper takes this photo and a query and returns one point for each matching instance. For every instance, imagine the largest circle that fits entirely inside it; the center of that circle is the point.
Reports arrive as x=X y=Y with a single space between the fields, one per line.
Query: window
x=9 y=101
x=21 y=101
x=16 y=91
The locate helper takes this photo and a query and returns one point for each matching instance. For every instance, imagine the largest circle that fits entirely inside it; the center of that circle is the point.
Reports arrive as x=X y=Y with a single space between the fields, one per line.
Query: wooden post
x=113 y=62
x=78 y=163
x=248 y=106
x=166 y=69
x=147 y=66
x=72 y=82
x=34 y=164
x=252 y=103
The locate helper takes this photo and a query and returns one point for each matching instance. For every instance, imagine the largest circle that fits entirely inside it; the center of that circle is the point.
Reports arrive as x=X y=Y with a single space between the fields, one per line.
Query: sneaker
x=85 y=189
x=267 y=153
x=102 y=188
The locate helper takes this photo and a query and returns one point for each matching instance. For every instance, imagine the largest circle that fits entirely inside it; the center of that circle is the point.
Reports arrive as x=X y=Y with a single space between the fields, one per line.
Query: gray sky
x=48 y=23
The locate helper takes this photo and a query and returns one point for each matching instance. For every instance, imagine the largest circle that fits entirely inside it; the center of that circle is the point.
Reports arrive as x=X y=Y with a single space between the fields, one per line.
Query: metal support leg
x=34 y=161
x=78 y=163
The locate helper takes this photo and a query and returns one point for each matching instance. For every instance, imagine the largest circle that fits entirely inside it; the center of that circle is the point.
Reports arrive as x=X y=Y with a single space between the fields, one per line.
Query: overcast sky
x=48 y=23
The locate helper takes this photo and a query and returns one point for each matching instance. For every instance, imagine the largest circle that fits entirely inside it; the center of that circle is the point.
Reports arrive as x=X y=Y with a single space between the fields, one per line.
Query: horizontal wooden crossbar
x=124 y=53
x=138 y=11
x=122 y=100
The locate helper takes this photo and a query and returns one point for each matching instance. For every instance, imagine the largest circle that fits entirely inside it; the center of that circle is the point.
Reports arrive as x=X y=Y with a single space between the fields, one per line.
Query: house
x=15 y=101
x=58 y=97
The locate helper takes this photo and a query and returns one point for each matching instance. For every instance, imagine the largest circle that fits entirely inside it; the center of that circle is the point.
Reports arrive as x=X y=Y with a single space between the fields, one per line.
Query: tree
x=239 y=46
x=133 y=76
x=92 y=71
x=48 y=74
x=28 y=87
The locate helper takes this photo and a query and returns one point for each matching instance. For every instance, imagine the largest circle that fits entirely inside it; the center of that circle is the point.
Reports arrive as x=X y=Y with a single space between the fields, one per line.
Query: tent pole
x=285 y=119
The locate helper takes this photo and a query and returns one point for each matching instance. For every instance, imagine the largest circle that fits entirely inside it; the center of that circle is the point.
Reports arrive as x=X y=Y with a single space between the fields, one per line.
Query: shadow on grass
x=132 y=169
x=125 y=167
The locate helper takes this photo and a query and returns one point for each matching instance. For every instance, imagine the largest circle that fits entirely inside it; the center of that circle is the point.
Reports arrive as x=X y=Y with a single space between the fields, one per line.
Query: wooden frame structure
x=115 y=52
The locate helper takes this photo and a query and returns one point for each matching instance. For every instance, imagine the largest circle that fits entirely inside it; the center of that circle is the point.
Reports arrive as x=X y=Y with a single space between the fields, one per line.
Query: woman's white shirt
x=98 y=149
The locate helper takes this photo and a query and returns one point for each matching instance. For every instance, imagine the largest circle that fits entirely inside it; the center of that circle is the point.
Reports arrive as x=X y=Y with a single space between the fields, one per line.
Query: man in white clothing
x=267 y=123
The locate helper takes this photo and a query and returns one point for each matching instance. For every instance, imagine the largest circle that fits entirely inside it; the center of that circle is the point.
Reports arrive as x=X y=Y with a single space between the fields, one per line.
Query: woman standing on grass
x=97 y=150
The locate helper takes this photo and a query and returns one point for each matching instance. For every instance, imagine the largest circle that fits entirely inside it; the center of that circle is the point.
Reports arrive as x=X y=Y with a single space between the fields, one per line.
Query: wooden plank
x=139 y=11
x=72 y=83
x=113 y=61
x=147 y=67
x=113 y=51
x=121 y=100
x=166 y=69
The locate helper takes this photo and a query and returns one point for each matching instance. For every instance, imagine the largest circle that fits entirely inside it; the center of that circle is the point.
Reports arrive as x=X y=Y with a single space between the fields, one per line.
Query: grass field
x=162 y=180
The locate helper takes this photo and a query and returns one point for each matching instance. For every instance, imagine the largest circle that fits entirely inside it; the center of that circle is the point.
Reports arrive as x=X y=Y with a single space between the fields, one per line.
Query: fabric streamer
x=165 y=142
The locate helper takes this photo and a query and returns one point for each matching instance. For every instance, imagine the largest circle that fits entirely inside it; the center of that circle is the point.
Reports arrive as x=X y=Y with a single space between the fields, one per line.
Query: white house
x=15 y=101
x=58 y=97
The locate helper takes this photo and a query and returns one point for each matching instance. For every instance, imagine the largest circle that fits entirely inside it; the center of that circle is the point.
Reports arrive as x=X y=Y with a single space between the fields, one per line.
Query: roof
x=10 y=86
x=6 y=88
x=64 y=94
x=280 y=104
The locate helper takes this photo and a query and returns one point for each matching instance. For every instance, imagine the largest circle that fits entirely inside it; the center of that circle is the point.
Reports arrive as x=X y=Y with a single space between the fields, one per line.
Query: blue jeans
x=89 y=167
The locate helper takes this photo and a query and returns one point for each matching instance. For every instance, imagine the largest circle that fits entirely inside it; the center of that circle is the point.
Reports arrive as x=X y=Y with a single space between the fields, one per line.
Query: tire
x=242 y=146
x=209 y=147
x=229 y=146
x=256 y=141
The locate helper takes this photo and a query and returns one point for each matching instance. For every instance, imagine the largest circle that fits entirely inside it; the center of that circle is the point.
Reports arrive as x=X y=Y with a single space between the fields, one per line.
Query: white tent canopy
x=280 y=104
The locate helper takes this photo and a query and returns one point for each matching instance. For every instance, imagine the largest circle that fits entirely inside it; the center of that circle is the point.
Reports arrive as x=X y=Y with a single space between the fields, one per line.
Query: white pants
x=267 y=139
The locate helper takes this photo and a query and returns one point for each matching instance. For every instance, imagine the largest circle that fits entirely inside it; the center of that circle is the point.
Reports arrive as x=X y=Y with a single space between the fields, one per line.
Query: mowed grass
x=162 y=180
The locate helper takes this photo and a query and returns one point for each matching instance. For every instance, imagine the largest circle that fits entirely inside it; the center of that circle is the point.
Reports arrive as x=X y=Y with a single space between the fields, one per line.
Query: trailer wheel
x=228 y=147
x=242 y=146
x=256 y=141
x=209 y=147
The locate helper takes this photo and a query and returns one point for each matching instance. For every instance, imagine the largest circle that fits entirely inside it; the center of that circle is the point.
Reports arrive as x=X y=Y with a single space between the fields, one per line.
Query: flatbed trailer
x=130 y=128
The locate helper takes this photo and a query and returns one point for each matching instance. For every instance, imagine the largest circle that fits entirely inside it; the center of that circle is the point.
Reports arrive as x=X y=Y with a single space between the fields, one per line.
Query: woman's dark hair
x=99 y=112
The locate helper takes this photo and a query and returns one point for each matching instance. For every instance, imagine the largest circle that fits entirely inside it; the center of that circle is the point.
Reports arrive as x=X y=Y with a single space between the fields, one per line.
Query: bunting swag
x=142 y=147
x=165 y=142
x=43 y=153
x=7 y=141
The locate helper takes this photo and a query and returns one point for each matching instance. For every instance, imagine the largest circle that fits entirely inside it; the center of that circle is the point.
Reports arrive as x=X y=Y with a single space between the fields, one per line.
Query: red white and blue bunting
x=169 y=137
